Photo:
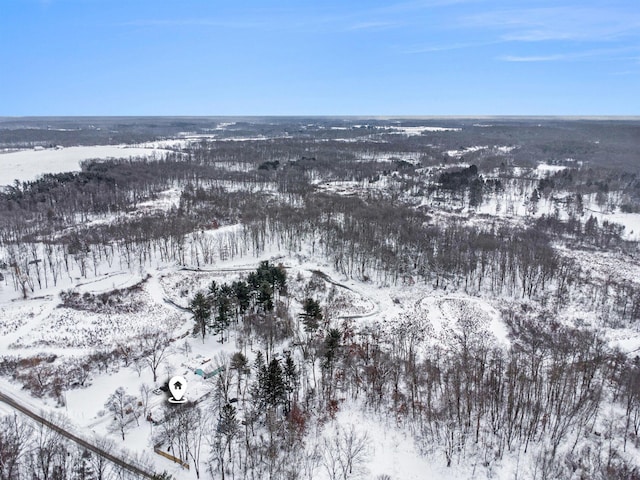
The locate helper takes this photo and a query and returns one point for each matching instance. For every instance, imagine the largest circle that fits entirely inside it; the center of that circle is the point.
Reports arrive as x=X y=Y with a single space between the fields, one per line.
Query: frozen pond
x=26 y=165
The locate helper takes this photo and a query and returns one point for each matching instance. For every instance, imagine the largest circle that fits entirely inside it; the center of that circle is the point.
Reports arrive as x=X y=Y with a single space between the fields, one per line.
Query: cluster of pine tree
x=215 y=309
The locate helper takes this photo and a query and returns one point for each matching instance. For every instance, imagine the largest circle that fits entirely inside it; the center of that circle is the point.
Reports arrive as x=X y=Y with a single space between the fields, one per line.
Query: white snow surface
x=462 y=314
x=546 y=168
x=28 y=327
x=391 y=451
x=27 y=165
x=462 y=151
x=40 y=325
x=410 y=131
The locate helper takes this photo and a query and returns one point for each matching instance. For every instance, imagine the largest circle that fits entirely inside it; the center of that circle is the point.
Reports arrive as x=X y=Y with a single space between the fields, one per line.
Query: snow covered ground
x=462 y=314
x=401 y=130
x=43 y=325
x=390 y=450
x=26 y=165
x=420 y=130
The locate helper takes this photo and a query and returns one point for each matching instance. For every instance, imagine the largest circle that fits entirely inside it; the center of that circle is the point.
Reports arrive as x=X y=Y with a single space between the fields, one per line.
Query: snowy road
x=375 y=306
x=83 y=443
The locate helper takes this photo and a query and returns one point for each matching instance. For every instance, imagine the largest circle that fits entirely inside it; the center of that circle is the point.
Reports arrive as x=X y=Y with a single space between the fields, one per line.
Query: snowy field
x=27 y=165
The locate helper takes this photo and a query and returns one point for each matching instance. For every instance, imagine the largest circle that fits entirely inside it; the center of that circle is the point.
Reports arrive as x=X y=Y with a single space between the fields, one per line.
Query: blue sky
x=411 y=57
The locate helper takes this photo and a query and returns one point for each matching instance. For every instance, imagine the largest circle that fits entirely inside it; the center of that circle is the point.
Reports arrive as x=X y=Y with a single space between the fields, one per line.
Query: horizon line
x=334 y=116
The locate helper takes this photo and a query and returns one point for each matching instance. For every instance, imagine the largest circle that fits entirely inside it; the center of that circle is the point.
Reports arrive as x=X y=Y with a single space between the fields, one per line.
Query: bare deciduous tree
x=124 y=408
x=155 y=346
x=345 y=452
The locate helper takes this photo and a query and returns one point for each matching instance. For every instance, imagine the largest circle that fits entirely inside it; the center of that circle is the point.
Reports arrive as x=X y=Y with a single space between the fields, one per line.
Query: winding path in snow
x=49 y=304
x=375 y=306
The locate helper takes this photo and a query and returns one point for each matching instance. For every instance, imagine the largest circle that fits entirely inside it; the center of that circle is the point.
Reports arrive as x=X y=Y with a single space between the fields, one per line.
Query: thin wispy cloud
x=625 y=73
x=289 y=20
x=193 y=22
x=374 y=25
x=516 y=35
x=604 y=53
x=422 y=4
x=449 y=47
x=324 y=56
x=557 y=23
x=533 y=58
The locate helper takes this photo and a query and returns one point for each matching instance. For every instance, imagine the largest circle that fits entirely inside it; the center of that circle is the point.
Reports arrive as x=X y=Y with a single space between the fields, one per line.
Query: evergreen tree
x=242 y=295
x=279 y=279
x=290 y=377
x=227 y=423
x=274 y=388
x=312 y=315
x=259 y=368
x=579 y=204
x=265 y=296
x=276 y=277
x=253 y=281
x=212 y=290
x=223 y=310
x=270 y=389
x=476 y=190
x=240 y=364
x=591 y=227
x=201 y=310
x=331 y=346
x=227 y=429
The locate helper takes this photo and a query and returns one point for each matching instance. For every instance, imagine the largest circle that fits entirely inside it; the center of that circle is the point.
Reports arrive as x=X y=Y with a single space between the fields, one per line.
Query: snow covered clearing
x=389 y=450
x=630 y=221
x=353 y=188
x=15 y=315
x=27 y=165
x=463 y=151
x=76 y=329
x=410 y=131
x=411 y=157
x=515 y=199
x=603 y=266
x=108 y=282
x=400 y=130
x=459 y=315
x=505 y=148
x=180 y=286
x=166 y=200
x=235 y=166
x=544 y=168
x=495 y=149
x=170 y=144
